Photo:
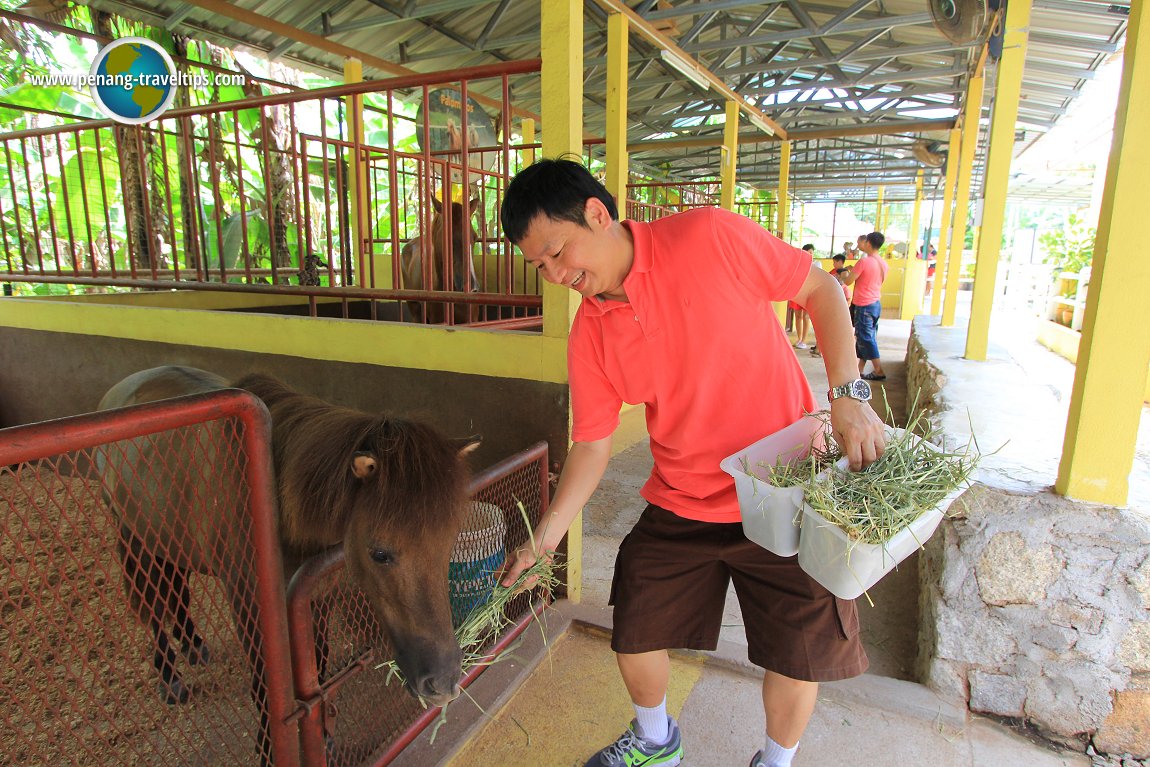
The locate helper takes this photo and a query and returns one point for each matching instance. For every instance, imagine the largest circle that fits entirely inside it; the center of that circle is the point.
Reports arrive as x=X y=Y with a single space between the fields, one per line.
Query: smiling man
x=677 y=315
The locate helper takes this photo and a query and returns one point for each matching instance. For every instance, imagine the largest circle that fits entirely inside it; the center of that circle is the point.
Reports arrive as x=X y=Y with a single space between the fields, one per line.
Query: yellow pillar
x=878 y=217
x=561 y=111
x=782 y=209
x=911 y=300
x=784 y=177
x=728 y=155
x=1008 y=89
x=617 y=110
x=362 y=256
x=970 y=115
x=1110 y=376
x=944 y=222
x=527 y=133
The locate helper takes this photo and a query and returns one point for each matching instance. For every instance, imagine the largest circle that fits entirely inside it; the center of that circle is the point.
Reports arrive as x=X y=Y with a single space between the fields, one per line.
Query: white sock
x=651 y=723
x=775 y=755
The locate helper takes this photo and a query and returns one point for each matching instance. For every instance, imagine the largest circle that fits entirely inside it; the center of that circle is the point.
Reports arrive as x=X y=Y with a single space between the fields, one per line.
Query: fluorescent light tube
x=760 y=123
x=686 y=68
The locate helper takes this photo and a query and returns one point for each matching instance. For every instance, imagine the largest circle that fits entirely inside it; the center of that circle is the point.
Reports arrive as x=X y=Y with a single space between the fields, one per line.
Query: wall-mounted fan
x=927 y=153
x=961 y=21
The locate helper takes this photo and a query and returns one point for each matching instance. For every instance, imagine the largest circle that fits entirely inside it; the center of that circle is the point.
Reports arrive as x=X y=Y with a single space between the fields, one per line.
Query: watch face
x=860 y=389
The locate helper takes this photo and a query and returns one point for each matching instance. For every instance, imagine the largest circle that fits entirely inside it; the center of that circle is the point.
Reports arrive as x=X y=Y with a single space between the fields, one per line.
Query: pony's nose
x=438 y=690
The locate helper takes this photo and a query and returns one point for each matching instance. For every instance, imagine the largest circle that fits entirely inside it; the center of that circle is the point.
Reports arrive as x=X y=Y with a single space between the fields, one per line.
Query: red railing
x=649 y=200
x=311 y=195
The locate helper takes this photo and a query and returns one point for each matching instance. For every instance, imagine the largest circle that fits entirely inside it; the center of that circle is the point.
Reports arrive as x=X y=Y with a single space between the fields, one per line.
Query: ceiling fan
x=960 y=21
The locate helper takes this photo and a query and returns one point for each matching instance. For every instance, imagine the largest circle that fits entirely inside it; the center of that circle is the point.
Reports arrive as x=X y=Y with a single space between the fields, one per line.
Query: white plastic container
x=847 y=568
x=771 y=514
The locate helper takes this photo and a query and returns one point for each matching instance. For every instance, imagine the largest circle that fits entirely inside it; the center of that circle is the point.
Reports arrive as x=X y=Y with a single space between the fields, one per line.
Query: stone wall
x=1036 y=606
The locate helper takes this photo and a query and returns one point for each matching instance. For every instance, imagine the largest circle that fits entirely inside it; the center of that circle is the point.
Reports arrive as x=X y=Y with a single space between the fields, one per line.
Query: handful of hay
x=911 y=477
x=488 y=620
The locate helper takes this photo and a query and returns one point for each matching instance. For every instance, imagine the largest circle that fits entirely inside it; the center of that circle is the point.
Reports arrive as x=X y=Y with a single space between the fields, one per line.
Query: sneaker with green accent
x=757 y=760
x=632 y=751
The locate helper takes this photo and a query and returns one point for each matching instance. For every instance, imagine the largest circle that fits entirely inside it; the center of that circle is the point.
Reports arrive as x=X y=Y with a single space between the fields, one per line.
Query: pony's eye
x=382 y=557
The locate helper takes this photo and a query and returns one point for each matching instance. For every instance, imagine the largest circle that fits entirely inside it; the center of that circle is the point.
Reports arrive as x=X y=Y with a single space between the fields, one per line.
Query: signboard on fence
x=443 y=112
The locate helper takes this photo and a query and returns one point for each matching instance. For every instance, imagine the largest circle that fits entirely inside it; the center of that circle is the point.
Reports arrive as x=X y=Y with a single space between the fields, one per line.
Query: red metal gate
x=77 y=683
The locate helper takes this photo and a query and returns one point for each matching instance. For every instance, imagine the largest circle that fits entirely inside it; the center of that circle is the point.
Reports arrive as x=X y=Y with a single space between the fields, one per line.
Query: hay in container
x=769 y=475
x=911 y=477
x=820 y=456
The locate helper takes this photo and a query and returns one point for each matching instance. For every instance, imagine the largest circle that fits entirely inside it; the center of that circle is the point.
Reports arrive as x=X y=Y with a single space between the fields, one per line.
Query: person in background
x=800 y=314
x=849 y=251
x=867 y=277
x=931 y=264
x=837 y=269
x=676 y=313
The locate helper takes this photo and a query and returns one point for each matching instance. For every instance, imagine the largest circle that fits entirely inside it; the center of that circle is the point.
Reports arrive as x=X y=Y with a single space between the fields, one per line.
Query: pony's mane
x=419 y=477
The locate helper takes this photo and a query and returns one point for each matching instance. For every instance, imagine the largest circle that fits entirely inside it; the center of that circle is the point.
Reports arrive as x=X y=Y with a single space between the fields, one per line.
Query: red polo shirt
x=871 y=273
x=700 y=345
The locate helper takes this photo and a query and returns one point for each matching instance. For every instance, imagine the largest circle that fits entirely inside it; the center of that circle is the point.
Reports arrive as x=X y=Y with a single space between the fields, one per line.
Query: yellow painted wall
x=529 y=356
x=182 y=299
x=1064 y=342
x=897 y=268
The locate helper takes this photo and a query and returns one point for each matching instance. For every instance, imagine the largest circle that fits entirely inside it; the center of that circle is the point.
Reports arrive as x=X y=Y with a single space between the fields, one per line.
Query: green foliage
x=1069 y=248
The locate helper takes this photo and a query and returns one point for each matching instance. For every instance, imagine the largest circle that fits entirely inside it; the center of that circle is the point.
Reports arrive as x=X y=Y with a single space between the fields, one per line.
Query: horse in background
x=422 y=250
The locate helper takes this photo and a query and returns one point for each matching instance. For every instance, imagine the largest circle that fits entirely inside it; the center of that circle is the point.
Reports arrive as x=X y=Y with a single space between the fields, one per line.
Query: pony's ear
x=467 y=445
x=363 y=465
x=474 y=203
x=437 y=204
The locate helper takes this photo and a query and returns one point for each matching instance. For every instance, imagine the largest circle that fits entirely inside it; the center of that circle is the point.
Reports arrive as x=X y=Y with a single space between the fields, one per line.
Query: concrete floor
x=559 y=701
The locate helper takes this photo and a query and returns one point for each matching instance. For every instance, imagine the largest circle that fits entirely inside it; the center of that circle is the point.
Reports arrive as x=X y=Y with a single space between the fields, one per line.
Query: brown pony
x=421 y=250
x=392 y=491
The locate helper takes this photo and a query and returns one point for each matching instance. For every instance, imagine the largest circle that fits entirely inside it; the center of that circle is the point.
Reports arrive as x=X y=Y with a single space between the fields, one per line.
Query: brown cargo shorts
x=670 y=583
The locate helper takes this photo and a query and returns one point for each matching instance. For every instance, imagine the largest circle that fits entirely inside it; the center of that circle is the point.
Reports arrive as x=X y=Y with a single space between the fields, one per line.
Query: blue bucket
x=478 y=553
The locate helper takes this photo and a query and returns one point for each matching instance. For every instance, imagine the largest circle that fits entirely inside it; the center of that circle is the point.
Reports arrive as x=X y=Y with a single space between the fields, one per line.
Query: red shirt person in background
x=867 y=277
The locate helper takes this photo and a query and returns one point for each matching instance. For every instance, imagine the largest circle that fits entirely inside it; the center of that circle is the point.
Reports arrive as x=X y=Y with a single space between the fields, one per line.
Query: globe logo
x=133 y=80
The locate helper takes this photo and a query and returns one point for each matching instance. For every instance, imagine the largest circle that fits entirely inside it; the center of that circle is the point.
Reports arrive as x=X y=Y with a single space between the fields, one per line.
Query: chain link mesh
x=80 y=672
x=88 y=548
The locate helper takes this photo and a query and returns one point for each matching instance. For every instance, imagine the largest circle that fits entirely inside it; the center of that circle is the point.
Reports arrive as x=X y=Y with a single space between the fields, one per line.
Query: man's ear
x=596 y=213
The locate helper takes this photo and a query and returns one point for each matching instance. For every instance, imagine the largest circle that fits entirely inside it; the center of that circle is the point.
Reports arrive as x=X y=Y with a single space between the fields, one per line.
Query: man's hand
x=859 y=432
x=522 y=559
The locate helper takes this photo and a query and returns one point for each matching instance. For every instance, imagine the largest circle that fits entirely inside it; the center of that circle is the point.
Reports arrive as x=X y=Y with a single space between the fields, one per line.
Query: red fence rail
x=76 y=688
x=77 y=684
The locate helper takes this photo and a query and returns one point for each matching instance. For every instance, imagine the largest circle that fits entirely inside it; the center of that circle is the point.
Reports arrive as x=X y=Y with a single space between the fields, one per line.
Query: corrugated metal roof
x=824 y=66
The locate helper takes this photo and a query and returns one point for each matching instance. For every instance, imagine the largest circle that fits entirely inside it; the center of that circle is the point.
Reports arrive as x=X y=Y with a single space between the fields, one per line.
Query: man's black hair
x=876 y=239
x=557 y=188
x=839 y=257
x=809 y=246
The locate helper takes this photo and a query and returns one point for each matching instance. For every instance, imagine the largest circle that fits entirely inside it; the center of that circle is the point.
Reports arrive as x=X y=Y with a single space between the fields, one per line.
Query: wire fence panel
x=351 y=714
x=131 y=617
